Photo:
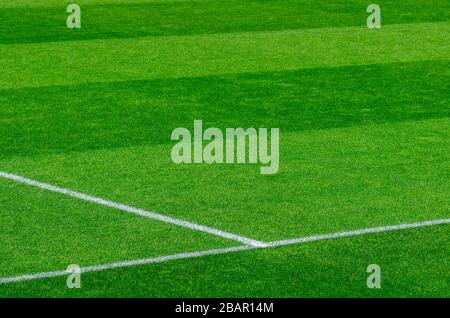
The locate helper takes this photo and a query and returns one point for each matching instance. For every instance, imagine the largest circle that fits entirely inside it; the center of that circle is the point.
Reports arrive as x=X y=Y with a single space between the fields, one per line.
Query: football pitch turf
x=86 y=175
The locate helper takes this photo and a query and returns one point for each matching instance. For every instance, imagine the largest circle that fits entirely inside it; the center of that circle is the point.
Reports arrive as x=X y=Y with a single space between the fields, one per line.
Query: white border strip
x=162 y=259
x=129 y=209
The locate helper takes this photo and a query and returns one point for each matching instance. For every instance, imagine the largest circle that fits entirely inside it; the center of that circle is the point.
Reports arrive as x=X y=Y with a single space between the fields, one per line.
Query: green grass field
x=364 y=118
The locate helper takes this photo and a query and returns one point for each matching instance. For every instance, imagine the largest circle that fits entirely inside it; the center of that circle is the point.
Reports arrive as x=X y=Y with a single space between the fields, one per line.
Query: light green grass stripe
x=70 y=63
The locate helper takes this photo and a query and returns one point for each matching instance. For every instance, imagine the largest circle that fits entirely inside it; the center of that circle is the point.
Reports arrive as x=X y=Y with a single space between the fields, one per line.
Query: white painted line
x=358 y=232
x=97 y=268
x=161 y=259
x=129 y=209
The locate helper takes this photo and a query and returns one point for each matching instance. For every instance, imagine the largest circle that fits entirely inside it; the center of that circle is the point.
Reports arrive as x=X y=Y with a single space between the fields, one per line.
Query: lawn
x=364 y=121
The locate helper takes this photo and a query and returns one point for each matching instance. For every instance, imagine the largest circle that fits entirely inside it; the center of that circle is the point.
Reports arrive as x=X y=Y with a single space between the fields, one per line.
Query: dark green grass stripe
x=102 y=21
x=75 y=118
x=335 y=268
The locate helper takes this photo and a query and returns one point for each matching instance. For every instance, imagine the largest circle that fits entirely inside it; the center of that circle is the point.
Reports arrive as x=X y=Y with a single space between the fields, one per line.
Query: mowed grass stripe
x=180 y=256
x=71 y=63
x=333 y=268
x=130 y=19
x=114 y=115
x=58 y=3
x=329 y=181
